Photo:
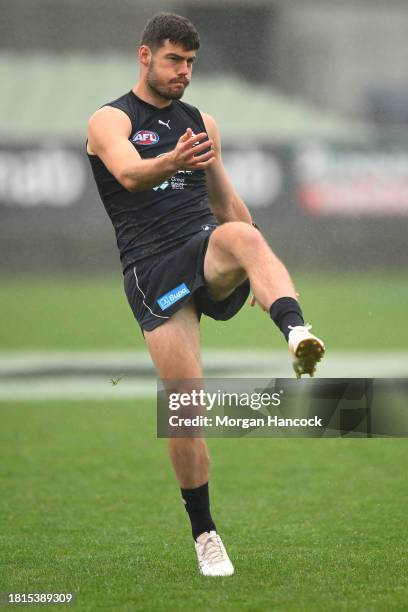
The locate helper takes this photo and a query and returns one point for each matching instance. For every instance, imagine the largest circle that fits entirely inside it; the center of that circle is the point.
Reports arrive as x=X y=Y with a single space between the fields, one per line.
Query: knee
x=237 y=234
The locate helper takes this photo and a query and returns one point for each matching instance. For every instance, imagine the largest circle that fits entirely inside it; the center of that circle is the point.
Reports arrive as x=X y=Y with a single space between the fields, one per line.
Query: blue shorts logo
x=173 y=296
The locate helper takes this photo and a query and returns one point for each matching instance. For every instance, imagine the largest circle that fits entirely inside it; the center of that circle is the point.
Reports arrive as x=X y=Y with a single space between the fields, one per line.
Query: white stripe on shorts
x=144 y=297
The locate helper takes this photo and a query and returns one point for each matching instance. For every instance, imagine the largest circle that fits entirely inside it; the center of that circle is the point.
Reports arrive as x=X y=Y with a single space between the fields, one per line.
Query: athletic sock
x=197 y=504
x=284 y=312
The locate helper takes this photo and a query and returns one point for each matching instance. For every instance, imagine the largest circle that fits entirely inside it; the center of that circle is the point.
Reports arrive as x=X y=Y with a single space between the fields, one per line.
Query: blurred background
x=312 y=102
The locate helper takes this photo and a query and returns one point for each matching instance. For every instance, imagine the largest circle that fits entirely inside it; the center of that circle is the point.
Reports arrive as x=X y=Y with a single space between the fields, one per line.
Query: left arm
x=224 y=201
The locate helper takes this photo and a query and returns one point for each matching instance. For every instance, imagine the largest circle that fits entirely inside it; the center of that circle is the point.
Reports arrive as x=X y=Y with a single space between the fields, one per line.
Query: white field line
x=76 y=388
x=50 y=375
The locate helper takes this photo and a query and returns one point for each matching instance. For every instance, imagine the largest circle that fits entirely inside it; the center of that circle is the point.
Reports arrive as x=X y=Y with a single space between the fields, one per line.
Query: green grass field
x=90 y=505
x=349 y=311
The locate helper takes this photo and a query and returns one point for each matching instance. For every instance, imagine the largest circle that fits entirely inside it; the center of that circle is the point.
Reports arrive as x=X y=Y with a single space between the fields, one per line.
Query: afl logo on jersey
x=145 y=137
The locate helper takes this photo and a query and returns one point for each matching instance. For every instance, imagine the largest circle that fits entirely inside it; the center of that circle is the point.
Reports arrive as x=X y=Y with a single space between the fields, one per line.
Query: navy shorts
x=155 y=293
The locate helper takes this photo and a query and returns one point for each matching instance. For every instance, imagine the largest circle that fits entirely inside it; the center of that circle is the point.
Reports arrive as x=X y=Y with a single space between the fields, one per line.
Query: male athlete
x=186 y=241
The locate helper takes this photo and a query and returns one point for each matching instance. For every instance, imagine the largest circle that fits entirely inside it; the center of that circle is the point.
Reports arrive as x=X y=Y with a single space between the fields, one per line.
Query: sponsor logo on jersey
x=145 y=137
x=166 y=123
x=163 y=186
x=173 y=296
x=175 y=182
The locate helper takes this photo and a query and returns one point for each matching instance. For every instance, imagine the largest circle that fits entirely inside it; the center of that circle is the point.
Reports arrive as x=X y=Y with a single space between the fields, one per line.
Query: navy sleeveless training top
x=150 y=223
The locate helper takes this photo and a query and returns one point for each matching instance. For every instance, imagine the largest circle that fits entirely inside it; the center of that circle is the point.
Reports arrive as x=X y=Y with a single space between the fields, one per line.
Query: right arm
x=108 y=132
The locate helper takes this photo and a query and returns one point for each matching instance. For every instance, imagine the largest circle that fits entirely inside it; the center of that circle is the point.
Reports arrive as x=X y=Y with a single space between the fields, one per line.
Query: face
x=168 y=69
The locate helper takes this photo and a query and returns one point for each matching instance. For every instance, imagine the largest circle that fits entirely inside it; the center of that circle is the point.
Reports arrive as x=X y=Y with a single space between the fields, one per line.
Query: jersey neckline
x=166 y=109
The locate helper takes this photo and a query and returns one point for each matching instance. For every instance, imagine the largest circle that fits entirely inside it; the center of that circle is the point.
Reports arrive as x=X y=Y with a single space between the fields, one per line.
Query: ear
x=145 y=55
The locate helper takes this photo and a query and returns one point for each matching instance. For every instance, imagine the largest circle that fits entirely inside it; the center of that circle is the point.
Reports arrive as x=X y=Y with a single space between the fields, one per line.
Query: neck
x=145 y=93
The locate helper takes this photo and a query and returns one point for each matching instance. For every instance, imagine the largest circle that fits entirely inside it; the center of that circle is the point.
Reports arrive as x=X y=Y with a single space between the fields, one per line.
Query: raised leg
x=236 y=251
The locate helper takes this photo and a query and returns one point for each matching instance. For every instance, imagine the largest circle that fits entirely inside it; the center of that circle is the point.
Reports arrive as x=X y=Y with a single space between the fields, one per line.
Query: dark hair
x=177 y=29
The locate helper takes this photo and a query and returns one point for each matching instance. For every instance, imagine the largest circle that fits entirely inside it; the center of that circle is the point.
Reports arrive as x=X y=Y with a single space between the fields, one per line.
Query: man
x=186 y=241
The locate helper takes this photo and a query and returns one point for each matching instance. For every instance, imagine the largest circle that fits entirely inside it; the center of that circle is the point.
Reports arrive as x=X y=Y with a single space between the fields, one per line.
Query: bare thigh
x=175 y=345
x=222 y=271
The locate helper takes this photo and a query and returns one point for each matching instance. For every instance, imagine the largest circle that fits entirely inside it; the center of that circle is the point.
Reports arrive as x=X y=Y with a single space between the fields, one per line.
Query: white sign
x=256 y=176
x=41 y=177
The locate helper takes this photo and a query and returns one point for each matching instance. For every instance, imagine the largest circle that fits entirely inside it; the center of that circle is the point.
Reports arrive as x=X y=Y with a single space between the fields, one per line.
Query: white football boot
x=212 y=556
x=305 y=349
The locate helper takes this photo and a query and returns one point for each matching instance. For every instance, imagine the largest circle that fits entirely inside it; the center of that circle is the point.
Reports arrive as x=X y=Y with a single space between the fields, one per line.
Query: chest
x=158 y=133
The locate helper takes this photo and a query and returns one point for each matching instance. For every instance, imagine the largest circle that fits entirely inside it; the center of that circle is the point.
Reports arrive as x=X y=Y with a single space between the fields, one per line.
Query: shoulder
x=109 y=116
x=212 y=130
x=105 y=124
x=209 y=122
x=191 y=110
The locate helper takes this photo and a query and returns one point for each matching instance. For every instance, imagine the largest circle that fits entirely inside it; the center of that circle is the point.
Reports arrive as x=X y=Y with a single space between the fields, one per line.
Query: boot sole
x=308 y=353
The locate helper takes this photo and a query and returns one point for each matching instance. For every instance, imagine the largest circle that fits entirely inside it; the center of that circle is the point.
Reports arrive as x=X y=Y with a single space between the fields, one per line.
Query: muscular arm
x=108 y=132
x=225 y=202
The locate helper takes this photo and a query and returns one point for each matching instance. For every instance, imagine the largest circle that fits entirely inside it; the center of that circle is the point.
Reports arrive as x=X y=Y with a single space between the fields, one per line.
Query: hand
x=187 y=156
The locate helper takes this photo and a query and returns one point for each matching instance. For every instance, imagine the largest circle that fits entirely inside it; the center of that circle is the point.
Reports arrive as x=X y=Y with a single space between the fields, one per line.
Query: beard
x=164 y=90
